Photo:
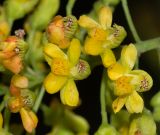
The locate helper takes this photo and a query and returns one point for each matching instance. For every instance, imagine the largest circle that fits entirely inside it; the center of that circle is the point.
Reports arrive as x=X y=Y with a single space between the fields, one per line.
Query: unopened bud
x=28 y=98
x=14 y=104
x=81 y=70
x=29 y=119
x=138 y=125
x=106 y=130
x=117 y=35
x=61 y=30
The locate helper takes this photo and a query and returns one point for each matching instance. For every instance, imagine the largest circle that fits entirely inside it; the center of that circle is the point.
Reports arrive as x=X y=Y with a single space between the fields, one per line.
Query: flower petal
x=134 y=103
x=98 y=33
x=115 y=71
x=93 y=46
x=69 y=94
x=53 y=51
x=123 y=86
x=87 y=22
x=128 y=56
x=105 y=17
x=53 y=83
x=74 y=51
x=108 y=58
x=60 y=66
x=118 y=103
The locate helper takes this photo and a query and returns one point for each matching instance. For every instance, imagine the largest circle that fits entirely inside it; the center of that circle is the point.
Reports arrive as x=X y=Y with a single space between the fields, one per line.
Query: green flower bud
x=156 y=113
x=145 y=81
x=76 y=122
x=81 y=70
x=16 y=9
x=28 y=98
x=155 y=101
x=58 y=130
x=70 y=25
x=14 y=104
x=116 y=36
x=106 y=130
x=43 y=14
x=142 y=124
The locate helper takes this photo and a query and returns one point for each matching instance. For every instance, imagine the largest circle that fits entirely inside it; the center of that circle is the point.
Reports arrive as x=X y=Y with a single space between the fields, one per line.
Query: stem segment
x=103 y=100
x=69 y=6
x=148 y=45
x=39 y=99
x=129 y=20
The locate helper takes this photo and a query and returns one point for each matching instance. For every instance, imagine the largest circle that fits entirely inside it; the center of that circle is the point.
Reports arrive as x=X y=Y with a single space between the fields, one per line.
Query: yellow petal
x=60 y=66
x=93 y=46
x=108 y=58
x=53 y=51
x=128 y=56
x=53 y=83
x=105 y=17
x=123 y=86
x=87 y=22
x=69 y=94
x=115 y=71
x=74 y=51
x=134 y=103
x=98 y=33
x=118 y=104
x=29 y=119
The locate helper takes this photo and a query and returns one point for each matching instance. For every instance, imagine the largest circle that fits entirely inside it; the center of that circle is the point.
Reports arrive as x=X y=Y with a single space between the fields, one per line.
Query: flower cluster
x=65 y=67
x=126 y=82
x=22 y=100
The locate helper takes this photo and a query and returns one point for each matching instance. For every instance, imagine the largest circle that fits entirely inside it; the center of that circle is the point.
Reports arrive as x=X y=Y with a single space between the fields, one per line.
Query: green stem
x=129 y=20
x=2 y=105
x=148 y=45
x=69 y=6
x=39 y=99
x=103 y=100
x=7 y=116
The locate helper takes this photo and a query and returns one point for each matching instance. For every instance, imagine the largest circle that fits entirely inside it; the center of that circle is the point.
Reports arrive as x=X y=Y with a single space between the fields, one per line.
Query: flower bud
x=142 y=124
x=14 y=104
x=155 y=101
x=29 y=119
x=144 y=81
x=61 y=30
x=22 y=7
x=12 y=53
x=117 y=35
x=69 y=94
x=28 y=98
x=19 y=81
x=81 y=70
x=106 y=130
x=76 y=122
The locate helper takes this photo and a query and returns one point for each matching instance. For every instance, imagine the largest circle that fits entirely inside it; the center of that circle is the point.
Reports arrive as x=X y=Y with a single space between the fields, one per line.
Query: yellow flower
x=101 y=36
x=128 y=82
x=65 y=68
